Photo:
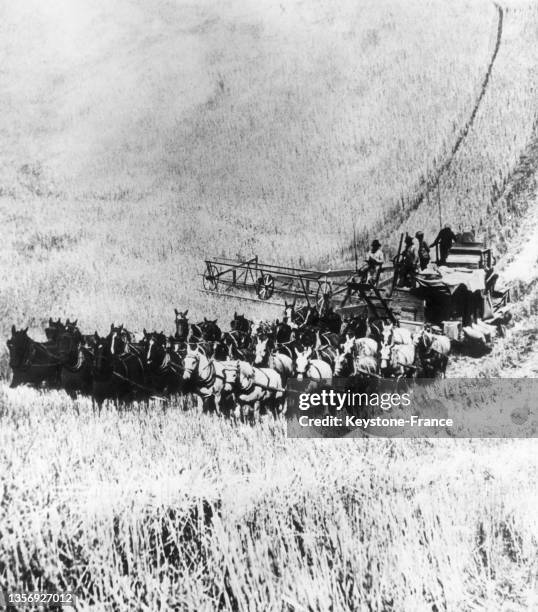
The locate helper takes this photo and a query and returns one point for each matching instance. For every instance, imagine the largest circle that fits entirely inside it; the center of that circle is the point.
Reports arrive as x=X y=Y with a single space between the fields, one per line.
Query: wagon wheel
x=211 y=278
x=323 y=296
x=265 y=287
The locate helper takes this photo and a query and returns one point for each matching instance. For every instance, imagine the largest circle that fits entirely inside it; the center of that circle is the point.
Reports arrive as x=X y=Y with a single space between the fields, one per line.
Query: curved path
x=433 y=182
x=401 y=210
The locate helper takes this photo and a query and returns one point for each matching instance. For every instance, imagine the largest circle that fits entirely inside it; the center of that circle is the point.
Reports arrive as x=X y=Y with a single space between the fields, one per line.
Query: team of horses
x=243 y=370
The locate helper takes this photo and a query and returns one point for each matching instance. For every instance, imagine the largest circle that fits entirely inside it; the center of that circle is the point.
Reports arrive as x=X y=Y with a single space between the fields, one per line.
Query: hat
x=419 y=234
x=376 y=243
x=408 y=240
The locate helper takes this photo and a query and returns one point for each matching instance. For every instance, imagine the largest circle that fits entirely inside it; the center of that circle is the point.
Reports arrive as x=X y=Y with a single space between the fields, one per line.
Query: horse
x=241 y=324
x=330 y=321
x=343 y=363
x=262 y=329
x=326 y=352
x=54 y=329
x=305 y=337
x=313 y=369
x=118 y=373
x=267 y=356
x=396 y=335
x=432 y=350
x=208 y=378
x=305 y=315
x=238 y=341
x=397 y=360
x=356 y=326
x=76 y=357
x=32 y=362
x=375 y=329
x=284 y=338
x=366 y=346
x=164 y=367
x=205 y=334
x=255 y=389
x=182 y=325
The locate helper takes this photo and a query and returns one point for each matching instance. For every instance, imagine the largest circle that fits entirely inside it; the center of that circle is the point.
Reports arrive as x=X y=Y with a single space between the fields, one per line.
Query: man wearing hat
x=423 y=251
x=374 y=259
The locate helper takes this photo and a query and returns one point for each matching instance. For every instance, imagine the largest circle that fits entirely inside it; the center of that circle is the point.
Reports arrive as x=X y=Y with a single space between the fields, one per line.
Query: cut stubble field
x=139 y=138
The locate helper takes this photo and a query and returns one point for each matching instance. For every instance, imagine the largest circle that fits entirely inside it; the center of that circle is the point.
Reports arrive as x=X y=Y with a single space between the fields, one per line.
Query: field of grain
x=120 y=148
x=176 y=510
x=140 y=137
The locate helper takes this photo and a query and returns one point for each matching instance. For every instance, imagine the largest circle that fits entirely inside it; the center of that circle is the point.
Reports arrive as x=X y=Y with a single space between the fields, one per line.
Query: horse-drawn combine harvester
x=459 y=299
x=340 y=325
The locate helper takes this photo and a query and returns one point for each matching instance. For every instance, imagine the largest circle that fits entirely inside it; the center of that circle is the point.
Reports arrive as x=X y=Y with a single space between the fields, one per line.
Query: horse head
x=387 y=331
x=261 y=351
x=302 y=362
x=157 y=345
x=182 y=324
x=289 y=312
x=385 y=357
x=240 y=323
x=69 y=342
x=341 y=361
x=54 y=329
x=71 y=326
x=102 y=355
x=18 y=345
x=191 y=362
x=210 y=330
x=349 y=344
x=119 y=339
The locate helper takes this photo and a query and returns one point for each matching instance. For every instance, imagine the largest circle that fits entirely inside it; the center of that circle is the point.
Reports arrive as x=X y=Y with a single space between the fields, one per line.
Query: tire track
x=470 y=122
x=396 y=217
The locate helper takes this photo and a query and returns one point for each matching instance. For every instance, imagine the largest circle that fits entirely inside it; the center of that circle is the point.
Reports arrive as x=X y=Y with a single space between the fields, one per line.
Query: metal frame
x=317 y=288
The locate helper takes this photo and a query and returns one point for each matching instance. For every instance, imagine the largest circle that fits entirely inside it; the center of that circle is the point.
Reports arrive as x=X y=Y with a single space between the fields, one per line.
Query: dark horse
x=76 y=358
x=283 y=338
x=329 y=321
x=205 y=335
x=237 y=343
x=32 y=362
x=182 y=325
x=164 y=371
x=118 y=370
x=54 y=329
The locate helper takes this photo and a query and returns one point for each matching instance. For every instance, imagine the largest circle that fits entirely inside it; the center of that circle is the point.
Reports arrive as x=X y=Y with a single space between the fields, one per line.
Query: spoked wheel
x=211 y=278
x=265 y=287
x=323 y=296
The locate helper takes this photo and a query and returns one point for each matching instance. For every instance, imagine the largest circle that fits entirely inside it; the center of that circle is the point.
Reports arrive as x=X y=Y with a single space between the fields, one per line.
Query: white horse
x=432 y=350
x=343 y=362
x=367 y=347
x=313 y=369
x=207 y=376
x=365 y=365
x=348 y=364
x=395 y=335
x=264 y=356
x=435 y=342
x=397 y=360
x=255 y=388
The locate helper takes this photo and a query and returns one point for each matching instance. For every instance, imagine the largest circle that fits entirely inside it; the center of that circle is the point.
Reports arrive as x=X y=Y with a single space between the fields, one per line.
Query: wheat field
x=166 y=509
x=119 y=150
x=139 y=138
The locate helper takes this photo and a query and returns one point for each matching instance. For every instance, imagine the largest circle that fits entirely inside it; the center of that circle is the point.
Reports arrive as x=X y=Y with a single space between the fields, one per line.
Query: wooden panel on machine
x=407 y=306
x=469 y=255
